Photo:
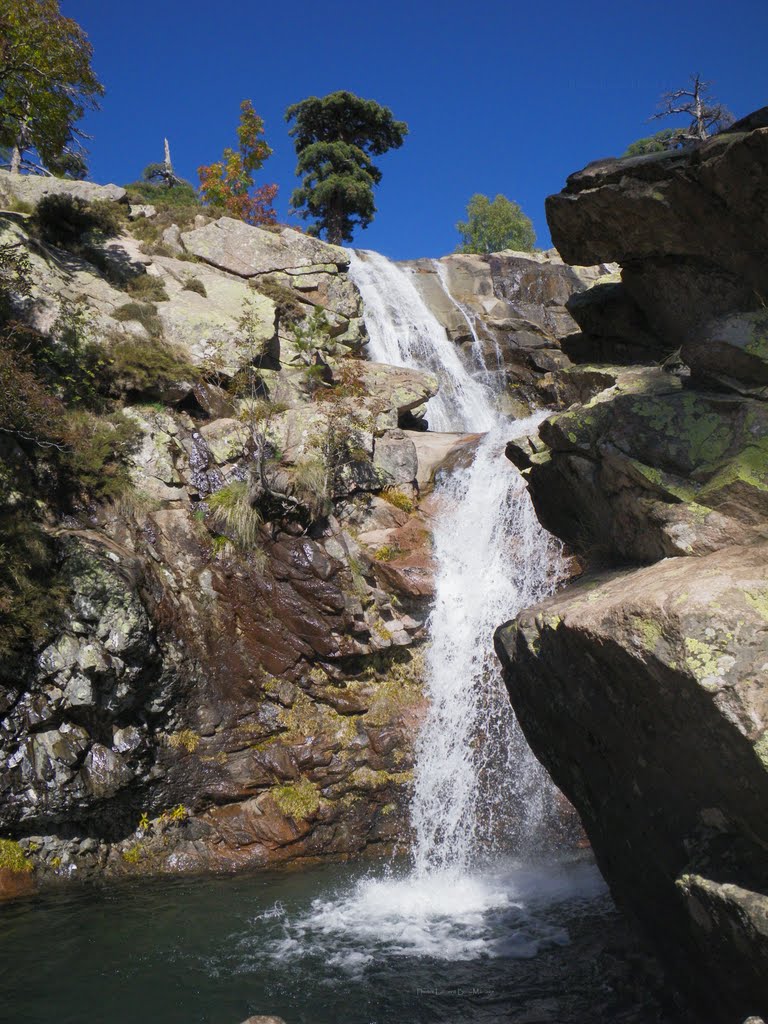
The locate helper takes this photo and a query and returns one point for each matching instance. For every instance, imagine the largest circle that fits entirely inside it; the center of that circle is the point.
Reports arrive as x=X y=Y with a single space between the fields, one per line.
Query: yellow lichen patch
x=761 y=749
x=184 y=739
x=649 y=631
x=367 y=778
x=13 y=858
x=758 y=599
x=707 y=660
x=298 y=800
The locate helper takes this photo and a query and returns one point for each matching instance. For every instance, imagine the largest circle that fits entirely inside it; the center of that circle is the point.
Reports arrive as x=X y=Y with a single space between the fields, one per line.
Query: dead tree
x=707 y=115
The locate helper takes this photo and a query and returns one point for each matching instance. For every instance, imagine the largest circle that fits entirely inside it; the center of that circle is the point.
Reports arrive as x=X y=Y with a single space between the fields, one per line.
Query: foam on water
x=505 y=912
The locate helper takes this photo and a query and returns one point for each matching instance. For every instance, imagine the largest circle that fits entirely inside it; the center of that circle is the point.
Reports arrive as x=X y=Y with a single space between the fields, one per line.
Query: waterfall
x=403 y=331
x=480 y=796
x=471 y=319
x=477 y=785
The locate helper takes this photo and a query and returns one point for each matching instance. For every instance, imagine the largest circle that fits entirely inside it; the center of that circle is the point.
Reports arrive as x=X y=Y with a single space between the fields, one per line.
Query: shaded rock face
x=688 y=227
x=643 y=691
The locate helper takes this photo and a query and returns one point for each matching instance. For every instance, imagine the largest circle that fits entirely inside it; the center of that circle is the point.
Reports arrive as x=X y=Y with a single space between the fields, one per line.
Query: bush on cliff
x=495 y=225
x=67 y=221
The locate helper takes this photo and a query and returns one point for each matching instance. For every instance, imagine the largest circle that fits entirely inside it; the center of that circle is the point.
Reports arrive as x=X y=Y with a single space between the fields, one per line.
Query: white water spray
x=478 y=787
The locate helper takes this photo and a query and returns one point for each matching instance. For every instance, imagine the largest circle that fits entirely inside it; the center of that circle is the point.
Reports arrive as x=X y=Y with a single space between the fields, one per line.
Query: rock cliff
x=229 y=672
x=642 y=687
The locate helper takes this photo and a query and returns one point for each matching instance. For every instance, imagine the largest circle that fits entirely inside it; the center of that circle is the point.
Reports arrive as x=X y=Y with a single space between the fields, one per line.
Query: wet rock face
x=655 y=725
x=213 y=700
x=515 y=306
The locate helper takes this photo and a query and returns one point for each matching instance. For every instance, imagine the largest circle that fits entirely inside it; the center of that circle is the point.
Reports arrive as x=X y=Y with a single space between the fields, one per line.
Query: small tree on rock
x=492 y=226
x=335 y=137
x=228 y=183
x=46 y=85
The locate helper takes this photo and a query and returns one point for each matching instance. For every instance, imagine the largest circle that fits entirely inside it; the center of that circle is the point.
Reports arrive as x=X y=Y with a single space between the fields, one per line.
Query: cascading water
x=404 y=332
x=477 y=785
x=471 y=319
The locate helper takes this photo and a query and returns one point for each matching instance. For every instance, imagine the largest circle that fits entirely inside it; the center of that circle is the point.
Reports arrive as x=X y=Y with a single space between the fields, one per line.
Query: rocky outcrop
x=687 y=226
x=651 y=469
x=642 y=690
x=31 y=188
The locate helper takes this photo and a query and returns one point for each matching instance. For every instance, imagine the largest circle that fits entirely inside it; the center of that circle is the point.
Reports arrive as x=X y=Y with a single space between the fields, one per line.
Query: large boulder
x=247 y=251
x=31 y=188
x=643 y=694
x=689 y=227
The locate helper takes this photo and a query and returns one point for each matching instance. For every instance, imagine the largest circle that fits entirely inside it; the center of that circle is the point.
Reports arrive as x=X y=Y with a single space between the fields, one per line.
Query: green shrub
x=179 y=196
x=30 y=595
x=28 y=410
x=147 y=288
x=147 y=367
x=65 y=220
x=194 y=284
x=311 y=485
x=143 y=312
x=233 y=514
x=396 y=497
x=15 y=276
x=98 y=451
x=289 y=307
x=12 y=857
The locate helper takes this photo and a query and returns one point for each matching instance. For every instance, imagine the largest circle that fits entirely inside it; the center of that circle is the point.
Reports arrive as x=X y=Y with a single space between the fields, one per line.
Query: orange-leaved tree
x=228 y=183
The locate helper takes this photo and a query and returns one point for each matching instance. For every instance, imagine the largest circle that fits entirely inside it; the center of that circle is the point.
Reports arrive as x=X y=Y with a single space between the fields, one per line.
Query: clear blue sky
x=500 y=96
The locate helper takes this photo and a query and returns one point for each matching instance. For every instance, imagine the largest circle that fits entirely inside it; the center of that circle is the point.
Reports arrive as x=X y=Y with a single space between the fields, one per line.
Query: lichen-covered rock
x=651 y=469
x=643 y=693
x=57 y=765
x=31 y=188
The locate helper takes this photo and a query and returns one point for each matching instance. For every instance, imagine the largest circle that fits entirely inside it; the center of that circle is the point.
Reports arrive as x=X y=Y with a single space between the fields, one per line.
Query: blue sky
x=500 y=97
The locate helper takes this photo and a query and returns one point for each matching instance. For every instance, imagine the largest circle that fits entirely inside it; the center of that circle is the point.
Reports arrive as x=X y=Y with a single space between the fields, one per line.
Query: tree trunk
x=16 y=160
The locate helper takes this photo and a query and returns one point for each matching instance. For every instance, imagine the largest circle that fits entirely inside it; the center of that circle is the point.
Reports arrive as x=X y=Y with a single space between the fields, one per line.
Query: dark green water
x=335 y=944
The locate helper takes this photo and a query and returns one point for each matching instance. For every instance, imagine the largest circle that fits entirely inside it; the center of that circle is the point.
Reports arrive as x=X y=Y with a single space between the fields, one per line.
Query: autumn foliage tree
x=46 y=85
x=228 y=184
